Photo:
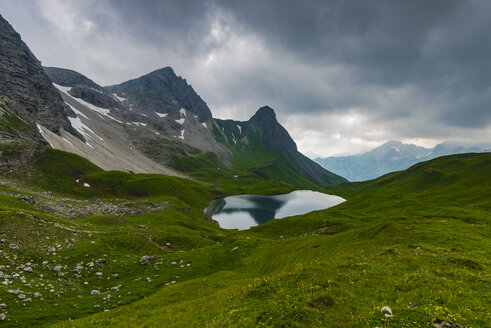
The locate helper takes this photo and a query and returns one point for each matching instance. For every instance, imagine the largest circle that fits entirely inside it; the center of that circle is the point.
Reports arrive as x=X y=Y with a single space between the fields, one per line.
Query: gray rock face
x=26 y=89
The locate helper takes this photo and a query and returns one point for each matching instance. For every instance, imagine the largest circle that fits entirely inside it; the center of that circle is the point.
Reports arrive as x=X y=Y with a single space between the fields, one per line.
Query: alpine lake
x=245 y=211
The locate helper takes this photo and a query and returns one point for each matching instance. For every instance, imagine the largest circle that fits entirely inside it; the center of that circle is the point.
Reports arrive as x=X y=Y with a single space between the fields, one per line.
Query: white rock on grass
x=94 y=292
x=387 y=311
x=2 y=316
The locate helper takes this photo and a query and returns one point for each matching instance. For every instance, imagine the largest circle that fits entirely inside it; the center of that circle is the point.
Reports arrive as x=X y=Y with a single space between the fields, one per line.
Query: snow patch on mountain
x=120 y=99
x=62 y=88
x=161 y=114
x=40 y=129
x=76 y=111
x=81 y=128
x=103 y=111
x=139 y=123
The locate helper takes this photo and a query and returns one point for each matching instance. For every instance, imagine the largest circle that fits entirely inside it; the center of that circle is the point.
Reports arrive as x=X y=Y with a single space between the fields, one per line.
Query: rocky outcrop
x=15 y=153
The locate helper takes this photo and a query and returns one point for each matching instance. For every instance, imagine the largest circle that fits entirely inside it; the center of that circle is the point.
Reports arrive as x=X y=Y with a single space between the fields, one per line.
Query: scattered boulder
x=3 y=306
x=2 y=316
x=57 y=268
x=141 y=226
x=94 y=292
x=387 y=311
x=235 y=249
x=98 y=274
x=28 y=200
x=100 y=262
x=145 y=259
x=437 y=323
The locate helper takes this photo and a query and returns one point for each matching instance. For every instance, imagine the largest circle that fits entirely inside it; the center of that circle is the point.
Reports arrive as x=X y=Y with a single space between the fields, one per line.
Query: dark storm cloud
x=181 y=25
x=363 y=71
x=438 y=47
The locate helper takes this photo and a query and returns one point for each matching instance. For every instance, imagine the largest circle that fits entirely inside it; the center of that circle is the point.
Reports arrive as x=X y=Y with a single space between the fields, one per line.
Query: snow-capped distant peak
x=240 y=128
x=182 y=111
x=161 y=114
x=181 y=120
x=204 y=124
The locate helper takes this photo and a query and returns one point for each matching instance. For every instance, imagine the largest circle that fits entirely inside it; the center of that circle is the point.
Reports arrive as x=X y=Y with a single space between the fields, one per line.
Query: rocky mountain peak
x=265 y=112
x=164 y=92
x=274 y=136
x=25 y=89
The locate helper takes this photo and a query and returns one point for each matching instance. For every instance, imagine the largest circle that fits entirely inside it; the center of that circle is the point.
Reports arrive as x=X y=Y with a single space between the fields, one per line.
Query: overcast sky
x=343 y=76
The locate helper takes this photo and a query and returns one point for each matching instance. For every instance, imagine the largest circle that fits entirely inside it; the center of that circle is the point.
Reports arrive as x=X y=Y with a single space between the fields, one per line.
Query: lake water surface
x=245 y=211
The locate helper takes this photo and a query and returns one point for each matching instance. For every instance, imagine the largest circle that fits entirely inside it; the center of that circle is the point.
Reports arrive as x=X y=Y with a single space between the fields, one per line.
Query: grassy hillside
x=417 y=241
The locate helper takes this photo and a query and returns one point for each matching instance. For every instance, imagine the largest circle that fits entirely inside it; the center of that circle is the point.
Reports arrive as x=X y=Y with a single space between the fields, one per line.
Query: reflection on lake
x=245 y=211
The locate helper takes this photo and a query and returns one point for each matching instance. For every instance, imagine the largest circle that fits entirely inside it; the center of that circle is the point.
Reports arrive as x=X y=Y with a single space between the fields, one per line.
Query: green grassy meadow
x=417 y=241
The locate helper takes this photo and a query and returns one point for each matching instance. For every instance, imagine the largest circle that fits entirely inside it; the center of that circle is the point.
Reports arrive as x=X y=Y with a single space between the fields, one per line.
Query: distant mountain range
x=155 y=123
x=389 y=157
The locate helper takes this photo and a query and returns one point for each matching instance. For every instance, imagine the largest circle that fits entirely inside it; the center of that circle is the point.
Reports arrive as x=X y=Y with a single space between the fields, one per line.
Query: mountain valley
x=103 y=192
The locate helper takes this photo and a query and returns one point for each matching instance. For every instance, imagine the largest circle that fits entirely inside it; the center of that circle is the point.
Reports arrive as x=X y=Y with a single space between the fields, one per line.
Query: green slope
x=417 y=241
x=252 y=160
